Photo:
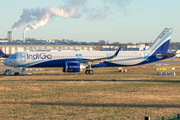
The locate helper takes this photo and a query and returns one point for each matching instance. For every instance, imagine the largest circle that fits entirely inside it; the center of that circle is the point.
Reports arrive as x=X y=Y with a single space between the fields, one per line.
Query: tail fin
x=1 y=52
x=161 y=44
x=3 y=55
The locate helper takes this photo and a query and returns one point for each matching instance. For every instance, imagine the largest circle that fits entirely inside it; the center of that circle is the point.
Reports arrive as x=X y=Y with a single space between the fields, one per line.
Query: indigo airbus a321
x=77 y=61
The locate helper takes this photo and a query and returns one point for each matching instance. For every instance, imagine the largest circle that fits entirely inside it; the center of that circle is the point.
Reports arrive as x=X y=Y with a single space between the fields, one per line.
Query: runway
x=6 y=67
x=168 y=62
x=154 y=63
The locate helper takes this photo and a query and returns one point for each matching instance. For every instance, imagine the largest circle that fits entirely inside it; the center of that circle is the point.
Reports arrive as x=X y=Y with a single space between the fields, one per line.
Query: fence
x=174 y=117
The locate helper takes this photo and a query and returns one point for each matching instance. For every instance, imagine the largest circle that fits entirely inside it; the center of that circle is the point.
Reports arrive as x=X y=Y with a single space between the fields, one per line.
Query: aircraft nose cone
x=5 y=62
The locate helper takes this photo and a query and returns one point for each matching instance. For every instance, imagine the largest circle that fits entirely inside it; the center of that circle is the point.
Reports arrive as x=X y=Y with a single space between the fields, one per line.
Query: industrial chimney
x=23 y=37
x=9 y=36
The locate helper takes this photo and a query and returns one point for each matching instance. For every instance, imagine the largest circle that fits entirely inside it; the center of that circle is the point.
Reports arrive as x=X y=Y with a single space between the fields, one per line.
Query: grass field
x=130 y=96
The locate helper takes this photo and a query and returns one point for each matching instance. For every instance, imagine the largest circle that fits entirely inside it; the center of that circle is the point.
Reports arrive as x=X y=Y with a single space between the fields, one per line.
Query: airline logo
x=163 y=34
x=39 y=56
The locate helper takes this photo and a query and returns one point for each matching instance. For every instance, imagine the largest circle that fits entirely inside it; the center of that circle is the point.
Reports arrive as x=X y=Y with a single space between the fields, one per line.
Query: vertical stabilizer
x=4 y=55
x=161 y=44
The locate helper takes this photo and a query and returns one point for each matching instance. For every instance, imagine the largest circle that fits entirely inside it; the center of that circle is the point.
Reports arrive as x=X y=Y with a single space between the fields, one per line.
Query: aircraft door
x=78 y=56
x=22 y=57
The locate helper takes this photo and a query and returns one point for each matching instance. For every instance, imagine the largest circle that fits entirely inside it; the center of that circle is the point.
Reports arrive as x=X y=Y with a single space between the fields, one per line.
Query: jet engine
x=73 y=67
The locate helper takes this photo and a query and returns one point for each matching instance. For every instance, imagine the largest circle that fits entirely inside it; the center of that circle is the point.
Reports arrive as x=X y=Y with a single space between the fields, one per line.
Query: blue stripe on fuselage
x=55 y=63
x=61 y=62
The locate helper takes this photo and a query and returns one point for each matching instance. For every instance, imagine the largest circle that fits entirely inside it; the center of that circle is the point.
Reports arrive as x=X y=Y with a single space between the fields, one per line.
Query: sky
x=90 y=20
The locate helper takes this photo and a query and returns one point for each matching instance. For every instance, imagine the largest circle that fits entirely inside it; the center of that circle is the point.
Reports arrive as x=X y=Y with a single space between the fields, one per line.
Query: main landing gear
x=90 y=71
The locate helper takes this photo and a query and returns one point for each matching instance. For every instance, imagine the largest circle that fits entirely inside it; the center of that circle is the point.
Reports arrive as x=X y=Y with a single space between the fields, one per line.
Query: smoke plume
x=72 y=8
x=42 y=16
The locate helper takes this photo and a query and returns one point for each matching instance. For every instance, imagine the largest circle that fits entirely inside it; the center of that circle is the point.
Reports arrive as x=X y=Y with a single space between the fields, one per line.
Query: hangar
x=13 y=47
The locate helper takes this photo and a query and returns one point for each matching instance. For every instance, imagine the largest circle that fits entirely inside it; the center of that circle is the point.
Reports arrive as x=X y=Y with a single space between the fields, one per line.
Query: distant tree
x=94 y=43
x=102 y=42
x=116 y=43
x=174 y=45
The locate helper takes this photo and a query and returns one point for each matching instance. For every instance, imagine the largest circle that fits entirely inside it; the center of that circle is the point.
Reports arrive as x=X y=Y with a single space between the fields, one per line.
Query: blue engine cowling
x=72 y=67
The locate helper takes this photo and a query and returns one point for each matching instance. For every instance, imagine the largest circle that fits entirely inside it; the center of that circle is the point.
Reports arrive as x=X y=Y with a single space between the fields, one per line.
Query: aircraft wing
x=98 y=60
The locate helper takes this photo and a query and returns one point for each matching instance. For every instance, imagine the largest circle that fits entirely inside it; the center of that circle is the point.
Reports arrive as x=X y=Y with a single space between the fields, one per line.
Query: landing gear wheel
x=87 y=71
x=16 y=73
x=91 y=72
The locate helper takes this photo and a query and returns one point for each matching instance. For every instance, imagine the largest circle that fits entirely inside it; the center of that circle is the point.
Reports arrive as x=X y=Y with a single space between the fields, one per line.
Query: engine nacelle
x=73 y=67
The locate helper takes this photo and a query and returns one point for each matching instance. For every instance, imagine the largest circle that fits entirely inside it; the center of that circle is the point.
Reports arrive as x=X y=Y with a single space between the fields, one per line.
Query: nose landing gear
x=23 y=69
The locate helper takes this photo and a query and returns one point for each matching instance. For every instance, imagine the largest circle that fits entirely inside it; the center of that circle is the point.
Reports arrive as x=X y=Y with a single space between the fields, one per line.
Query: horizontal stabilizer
x=165 y=55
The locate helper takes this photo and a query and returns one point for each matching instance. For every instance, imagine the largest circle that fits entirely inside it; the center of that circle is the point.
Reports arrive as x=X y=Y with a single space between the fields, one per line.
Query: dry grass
x=1 y=63
x=99 y=96
x=58 y=97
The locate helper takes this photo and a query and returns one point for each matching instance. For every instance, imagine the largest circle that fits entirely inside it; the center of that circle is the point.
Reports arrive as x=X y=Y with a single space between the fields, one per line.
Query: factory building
x=13 y=47
x=9 y=46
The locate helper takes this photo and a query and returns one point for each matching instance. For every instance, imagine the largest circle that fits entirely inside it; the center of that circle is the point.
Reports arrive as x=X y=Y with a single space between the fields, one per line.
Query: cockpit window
x=13 y=57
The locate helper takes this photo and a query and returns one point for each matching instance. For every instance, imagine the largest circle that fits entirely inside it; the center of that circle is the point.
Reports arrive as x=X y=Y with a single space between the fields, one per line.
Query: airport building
x=177 y=54
x=137 y=47
x=13 y=47
x=8 y=46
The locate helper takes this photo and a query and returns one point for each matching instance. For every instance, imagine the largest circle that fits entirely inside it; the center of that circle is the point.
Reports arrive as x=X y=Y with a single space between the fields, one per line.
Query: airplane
x=77 y=61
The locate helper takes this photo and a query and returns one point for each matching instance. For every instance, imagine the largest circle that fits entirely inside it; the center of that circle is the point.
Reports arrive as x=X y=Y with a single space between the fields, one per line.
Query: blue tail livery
x=4 y=55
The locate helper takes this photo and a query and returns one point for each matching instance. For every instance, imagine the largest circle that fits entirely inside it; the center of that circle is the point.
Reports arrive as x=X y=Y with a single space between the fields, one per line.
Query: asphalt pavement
x=6 y=67
x=154 y=63
x=167 y=62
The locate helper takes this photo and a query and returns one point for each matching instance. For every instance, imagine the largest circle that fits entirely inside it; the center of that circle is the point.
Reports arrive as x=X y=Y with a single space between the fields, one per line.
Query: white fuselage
x=27 y=59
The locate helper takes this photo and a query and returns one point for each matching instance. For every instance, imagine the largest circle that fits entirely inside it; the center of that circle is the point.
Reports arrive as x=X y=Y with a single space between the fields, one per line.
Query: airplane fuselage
x=58 y=59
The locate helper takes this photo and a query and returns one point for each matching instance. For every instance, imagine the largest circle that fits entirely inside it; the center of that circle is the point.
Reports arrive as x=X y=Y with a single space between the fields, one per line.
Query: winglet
x=101 y=59
x=117 y=52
